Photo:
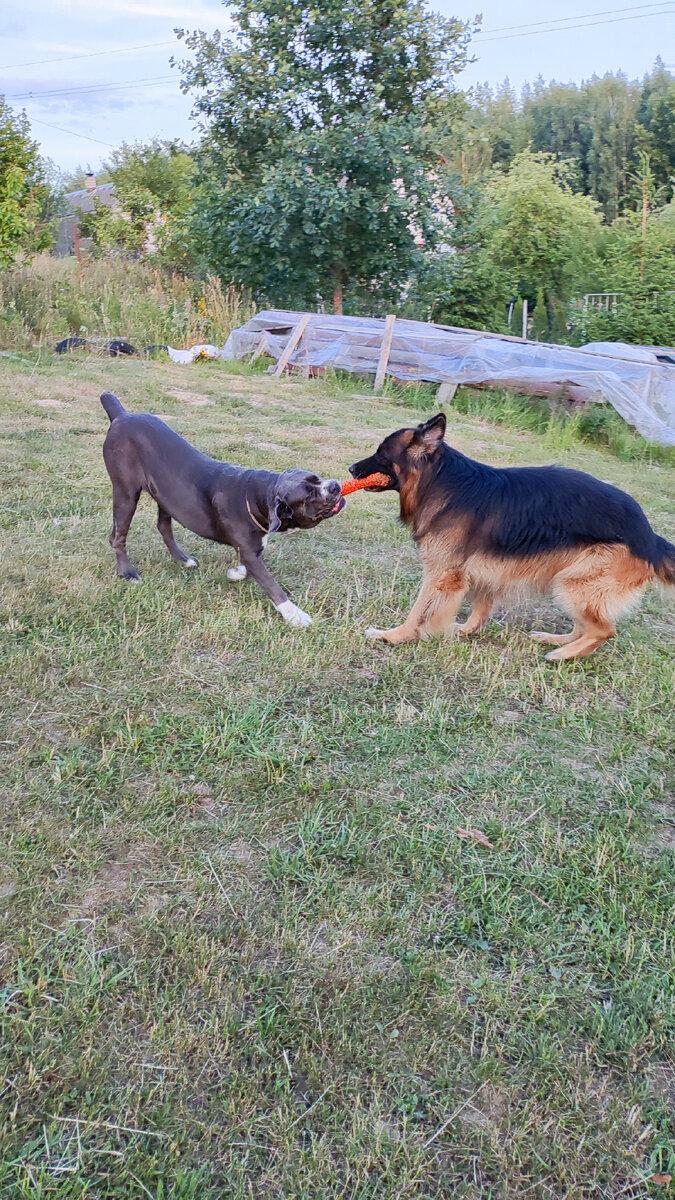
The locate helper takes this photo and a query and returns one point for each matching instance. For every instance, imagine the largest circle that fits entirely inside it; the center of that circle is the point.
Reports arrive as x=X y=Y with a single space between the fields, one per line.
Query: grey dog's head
x=300 y=500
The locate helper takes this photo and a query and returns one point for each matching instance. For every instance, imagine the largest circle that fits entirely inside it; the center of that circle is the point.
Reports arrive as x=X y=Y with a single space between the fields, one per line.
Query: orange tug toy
x=378 y=480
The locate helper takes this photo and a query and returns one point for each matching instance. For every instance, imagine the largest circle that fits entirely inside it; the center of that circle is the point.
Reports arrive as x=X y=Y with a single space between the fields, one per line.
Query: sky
x=91 y=74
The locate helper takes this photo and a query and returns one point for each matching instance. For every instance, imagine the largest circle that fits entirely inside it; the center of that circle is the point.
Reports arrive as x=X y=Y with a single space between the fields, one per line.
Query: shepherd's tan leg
x=557 y=639
x=480 y=611
x=433 y=612
x=583 y=645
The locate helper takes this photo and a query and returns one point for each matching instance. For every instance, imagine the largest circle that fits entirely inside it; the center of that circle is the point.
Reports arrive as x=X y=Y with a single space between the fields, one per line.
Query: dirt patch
x=661 y=1078
x=270 y=446
x=8 y=888
x=116 y=879
x=50 y=402
x=109 y=884
x=205 y=803
x=195 y=399
x=239 y=851
x=487 y=1111
x=154 y=902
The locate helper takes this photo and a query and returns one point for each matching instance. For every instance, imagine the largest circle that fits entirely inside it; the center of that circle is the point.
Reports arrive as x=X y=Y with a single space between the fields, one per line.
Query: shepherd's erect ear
x=431 y=433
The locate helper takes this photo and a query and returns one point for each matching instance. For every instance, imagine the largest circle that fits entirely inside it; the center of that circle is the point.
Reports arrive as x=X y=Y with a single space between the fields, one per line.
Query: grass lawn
x=243 y=951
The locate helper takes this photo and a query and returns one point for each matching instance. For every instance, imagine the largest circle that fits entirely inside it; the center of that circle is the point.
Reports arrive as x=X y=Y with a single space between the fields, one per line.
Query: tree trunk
x=645 y=210
x=337 y=300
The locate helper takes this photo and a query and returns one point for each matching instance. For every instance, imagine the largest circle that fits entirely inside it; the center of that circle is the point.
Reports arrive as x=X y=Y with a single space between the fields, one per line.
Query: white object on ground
x=188 y=356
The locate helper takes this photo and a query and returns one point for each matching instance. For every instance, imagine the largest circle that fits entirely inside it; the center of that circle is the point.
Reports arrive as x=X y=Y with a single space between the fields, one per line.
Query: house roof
x=83 y=200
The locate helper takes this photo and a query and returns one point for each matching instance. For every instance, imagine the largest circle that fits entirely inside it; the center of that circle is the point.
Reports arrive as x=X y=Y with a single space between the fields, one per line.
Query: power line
x=579 y=17
x=92 y=54
x=667 y=12
x=93 y=87
x=71 y=133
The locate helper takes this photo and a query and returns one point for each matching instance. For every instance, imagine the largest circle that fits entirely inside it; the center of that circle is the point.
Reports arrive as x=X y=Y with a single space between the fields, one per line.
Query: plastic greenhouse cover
x=638 y=381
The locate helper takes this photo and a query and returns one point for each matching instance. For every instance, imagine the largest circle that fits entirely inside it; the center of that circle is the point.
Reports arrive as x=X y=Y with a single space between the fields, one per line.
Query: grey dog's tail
x=112 y=405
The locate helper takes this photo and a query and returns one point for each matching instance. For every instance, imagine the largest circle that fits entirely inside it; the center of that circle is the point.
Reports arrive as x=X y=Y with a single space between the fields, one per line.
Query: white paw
x=237 y=573
x=293 y=615
x=373 y=633
x=190 y=562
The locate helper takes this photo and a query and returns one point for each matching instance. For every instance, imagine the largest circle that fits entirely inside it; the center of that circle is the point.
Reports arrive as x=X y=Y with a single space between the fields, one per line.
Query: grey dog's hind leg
x=166 y=529
x=124 y=507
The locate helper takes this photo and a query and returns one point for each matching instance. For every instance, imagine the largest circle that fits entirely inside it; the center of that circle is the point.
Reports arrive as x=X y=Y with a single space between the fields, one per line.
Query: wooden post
x=525 y=319
x=261 y=347
x=292 y=342
x=384 y=352
x=446 y=393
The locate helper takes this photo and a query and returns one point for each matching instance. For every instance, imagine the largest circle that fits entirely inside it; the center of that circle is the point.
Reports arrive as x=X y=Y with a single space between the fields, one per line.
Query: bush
x=640 y=321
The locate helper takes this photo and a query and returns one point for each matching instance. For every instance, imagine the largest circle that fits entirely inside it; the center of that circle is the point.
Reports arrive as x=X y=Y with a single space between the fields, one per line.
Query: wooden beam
x=291 y=344
x=384 y=352
x=446 y=393
x=261 y=347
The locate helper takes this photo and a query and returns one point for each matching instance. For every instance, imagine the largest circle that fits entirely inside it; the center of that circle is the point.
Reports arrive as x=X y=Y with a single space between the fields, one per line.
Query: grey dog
x=227 y=504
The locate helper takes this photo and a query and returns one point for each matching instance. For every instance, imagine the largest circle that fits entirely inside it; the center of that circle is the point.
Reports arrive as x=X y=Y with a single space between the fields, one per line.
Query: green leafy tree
x=460 y=283
x=318 y=156
x=125 y=228
x=656 y=127
x=164 y=169
x=153 y=194
x=24 y=189
x=538 y=232
x=524 y=234
x=637 y=262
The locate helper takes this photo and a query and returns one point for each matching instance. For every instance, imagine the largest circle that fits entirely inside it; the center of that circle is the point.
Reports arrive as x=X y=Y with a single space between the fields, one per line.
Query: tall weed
x=53 y=298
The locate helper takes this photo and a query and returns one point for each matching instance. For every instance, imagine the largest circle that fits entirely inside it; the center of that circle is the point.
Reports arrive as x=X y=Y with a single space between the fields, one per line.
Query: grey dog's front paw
x=293 y=615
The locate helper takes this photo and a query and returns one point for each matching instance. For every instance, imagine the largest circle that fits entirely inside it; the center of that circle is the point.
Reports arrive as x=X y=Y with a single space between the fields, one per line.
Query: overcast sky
x=118 y=52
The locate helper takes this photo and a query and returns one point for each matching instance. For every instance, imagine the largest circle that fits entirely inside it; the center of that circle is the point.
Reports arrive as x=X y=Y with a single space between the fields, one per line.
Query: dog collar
x=254 y=519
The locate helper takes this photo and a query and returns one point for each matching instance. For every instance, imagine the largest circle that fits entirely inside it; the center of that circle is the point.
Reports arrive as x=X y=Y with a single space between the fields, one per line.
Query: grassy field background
x=243 y=950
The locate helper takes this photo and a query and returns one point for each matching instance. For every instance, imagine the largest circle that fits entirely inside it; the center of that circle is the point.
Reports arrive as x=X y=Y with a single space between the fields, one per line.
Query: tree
x=153 y=193
x=537 y=231
x=24 y=190
x=318 y=155
x=520 y=234
x=164 y=169
x=656 y=128
x=637 y=262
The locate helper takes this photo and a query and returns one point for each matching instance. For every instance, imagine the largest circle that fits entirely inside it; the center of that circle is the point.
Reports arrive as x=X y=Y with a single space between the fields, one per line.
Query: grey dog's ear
x=279 y=498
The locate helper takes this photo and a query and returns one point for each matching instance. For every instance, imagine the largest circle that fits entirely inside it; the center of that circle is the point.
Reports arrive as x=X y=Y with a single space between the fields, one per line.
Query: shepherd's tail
x=112 y=405
x=665 y=569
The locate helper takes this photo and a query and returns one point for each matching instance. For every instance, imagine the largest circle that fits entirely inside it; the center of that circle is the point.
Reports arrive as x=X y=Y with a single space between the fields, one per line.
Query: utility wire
x=71 y=133
x=667 y=12
x=91 y=54
x=93 y=87
x=607 y=12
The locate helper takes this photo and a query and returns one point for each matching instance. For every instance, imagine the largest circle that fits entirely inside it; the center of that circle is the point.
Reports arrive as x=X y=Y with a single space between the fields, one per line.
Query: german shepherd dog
x=487 y=533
